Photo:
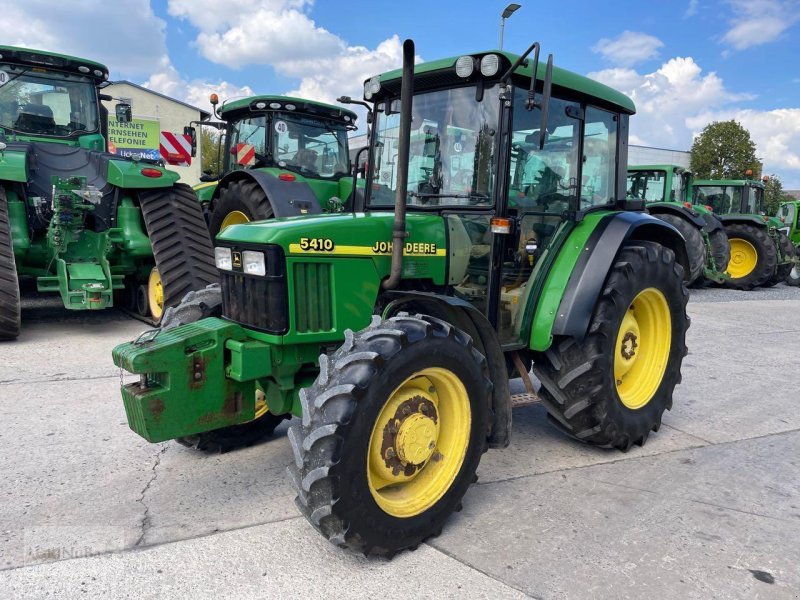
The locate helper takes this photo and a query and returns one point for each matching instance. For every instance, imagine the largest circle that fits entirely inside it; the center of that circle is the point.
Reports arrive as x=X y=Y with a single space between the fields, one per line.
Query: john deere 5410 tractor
x=84 y=223
x=666 y=190
x=494 y=234
x=761 y=253
x=282 y=157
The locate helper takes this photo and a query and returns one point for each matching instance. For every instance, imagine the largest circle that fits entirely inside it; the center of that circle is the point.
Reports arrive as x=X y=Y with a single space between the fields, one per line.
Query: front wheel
x=754 y=257
x=695 y=245
x=238 y=202
x=784 y=270
x=392 y=433
x=720 y=249
x=612 y=388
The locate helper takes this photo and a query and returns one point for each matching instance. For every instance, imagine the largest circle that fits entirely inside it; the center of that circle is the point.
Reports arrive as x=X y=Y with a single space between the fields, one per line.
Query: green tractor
x=789 y=215
x=761 y=253
x=282 y=157
x=83 y=223
x=665 y=190
x=391 y=331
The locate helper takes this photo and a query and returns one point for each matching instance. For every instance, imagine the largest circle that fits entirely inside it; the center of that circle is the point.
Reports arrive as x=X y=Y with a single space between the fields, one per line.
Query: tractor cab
x=658 y=183
x=730 y=196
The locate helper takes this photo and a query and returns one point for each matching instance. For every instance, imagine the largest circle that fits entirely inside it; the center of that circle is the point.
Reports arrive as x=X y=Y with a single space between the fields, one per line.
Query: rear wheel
x=393 y=430
x=695 y=245
x=239 y=202
x=784 y=269
x=10 y=316
x=720 y=249
x=155 y=295
x=182 y=248
x=200 y=305
x=754 y=257
x=612 y=389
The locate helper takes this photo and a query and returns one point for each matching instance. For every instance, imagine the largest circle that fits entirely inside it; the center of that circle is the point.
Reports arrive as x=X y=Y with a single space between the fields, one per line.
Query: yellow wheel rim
x=744 y=258
x=642 y=350
x=419 y=442
x=155 y=294
x=261 y=405
x=235 y=217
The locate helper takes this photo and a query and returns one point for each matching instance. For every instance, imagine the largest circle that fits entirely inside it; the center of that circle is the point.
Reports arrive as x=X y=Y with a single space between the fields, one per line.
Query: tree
x=724 y=150
x=211 y=149
x=774 y=195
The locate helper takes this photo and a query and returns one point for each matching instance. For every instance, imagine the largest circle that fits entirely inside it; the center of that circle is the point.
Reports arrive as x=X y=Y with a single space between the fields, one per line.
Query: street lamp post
x=506 y=13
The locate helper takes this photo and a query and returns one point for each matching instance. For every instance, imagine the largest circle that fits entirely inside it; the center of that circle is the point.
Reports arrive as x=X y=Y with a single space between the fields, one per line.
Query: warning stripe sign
x=176 y=148
x=246 y=154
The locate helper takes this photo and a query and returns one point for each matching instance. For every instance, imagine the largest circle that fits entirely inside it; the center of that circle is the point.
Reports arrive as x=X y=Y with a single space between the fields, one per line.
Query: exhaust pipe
x=404 y=141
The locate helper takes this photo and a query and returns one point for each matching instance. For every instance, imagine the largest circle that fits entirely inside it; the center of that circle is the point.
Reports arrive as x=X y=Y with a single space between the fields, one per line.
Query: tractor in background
x=789 y=215
x=494 y=235
x=94 y=227
x=666 y=192
x=281 y=157
x=761 y=253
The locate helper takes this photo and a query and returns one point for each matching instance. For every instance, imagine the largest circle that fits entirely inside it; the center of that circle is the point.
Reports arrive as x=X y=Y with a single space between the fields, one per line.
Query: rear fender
x=678 y=210
x=287 y=198
x=590 y=272
x=467 y=318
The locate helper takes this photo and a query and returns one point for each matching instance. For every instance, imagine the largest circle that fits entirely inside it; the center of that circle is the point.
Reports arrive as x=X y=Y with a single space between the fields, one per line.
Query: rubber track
x=10 y=317
x=182 y=247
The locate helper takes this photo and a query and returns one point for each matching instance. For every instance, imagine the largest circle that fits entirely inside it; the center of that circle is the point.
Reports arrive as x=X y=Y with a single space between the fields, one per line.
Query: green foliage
x=724 y=150
x=211 y=149
x=774 y=195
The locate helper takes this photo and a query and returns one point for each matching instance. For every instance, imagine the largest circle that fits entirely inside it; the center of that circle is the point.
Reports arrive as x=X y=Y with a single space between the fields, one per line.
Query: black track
x=10 y=318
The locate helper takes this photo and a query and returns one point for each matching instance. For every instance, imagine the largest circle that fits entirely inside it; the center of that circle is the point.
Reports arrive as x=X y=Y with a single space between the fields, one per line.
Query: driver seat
x=35 y=118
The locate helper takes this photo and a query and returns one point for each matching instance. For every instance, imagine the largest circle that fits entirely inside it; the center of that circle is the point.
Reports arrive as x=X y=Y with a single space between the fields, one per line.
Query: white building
x=644 y=155
x=171 y=116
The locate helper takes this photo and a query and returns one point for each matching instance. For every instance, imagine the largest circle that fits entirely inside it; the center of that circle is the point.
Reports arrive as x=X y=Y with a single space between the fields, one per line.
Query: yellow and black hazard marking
x=326 y=246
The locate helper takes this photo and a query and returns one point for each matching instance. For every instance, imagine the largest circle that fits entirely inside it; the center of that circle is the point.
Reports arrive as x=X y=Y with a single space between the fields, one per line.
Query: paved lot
x=709 y=508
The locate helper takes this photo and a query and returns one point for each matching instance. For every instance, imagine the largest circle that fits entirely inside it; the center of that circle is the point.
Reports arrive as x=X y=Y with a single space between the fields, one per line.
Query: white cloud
x=628 y=48
x=678 y=99
x=757 y=22
x=692 y=9
x=281 y=34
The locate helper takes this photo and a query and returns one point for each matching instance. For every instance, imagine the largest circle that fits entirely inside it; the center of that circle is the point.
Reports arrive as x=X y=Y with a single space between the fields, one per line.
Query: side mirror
x=192 y=133
x=124 y=113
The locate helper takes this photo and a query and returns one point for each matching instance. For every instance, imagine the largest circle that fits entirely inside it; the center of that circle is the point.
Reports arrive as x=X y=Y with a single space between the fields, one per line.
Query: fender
x=748 y=219
x=466 y=317
x=288 y=198
x=677 y=210
x=712 y=223
x=591 y=270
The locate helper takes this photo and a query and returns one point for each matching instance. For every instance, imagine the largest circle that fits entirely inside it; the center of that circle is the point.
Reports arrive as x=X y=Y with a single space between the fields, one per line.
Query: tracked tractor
x=761 y=253
x=281 y=157
x=93 y=227
x=494 y=236
x=789 y=216
x=666 y=191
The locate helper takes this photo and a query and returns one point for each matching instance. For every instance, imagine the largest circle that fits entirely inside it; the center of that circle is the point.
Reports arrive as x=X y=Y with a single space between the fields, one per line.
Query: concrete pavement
x=709 y=508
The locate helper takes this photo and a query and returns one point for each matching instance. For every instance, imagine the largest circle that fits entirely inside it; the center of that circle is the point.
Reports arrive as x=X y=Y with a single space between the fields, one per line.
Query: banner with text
x=138 y=139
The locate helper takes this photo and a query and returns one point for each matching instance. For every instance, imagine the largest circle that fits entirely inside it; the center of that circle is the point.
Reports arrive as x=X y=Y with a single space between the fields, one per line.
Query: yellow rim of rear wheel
x=155 y=294
x=744 y=258
x=235 y=217
x=419 y=442
x=642 y=350
x=261 y=405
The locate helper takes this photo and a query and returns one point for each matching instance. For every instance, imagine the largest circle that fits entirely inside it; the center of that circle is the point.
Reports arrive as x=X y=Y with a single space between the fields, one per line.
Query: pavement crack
x=697 y=437
x=145 y=525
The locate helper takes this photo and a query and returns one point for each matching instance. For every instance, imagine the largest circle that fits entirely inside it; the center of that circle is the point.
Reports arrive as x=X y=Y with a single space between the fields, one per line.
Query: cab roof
x=566 y=80
x=50 y=60
x=731 y=182
x=301 y=105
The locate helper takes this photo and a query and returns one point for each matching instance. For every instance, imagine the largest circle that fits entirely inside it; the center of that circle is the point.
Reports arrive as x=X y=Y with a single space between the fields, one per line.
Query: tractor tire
x=611 y=389
x=754 y=257
x=793 y=279
x=182 y=248
x=695 y=245
x=407 y=396
x=200 y=305
x=10 y=315
x=784 y=269
x=238 y=202
x=720 y=248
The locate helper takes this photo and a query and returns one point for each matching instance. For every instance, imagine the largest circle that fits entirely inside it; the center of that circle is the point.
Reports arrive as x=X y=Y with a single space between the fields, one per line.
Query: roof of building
x=204 y=114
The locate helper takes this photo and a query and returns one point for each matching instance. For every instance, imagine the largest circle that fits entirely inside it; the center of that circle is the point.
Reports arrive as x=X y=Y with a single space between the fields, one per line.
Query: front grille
x=258 y=302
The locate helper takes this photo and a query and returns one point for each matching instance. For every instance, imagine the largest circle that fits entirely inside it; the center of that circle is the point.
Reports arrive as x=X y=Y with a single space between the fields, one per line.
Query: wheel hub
x=629 y=345
x=410 y=436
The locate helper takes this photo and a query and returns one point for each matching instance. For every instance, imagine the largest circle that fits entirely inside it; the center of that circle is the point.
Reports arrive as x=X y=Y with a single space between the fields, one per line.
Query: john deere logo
x=237 y=260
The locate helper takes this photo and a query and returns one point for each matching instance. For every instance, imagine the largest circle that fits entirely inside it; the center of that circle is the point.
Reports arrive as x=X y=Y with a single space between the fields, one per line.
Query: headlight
x=372 y=87
x=222 y=257
x=465 y=65
x=253 y=263
x=490 y=64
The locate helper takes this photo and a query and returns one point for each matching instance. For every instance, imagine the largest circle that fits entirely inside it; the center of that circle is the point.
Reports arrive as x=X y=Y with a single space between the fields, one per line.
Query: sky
x=685 y=63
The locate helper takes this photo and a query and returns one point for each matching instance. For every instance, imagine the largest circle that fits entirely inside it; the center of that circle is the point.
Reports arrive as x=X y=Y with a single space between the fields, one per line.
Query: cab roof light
x=465 y=65
x=490 y=65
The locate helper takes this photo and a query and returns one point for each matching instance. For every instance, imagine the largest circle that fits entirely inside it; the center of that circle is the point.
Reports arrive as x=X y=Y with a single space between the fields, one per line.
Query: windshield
x=52 y=104
x=647 y=185
x=248 y=142
x=723 y=199
x=451 y=150
x=314 y=147
x=753 y=206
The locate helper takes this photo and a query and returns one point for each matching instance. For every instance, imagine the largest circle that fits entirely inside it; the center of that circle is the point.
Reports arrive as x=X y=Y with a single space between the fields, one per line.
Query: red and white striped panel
x=246 y=154
x=176 y=148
